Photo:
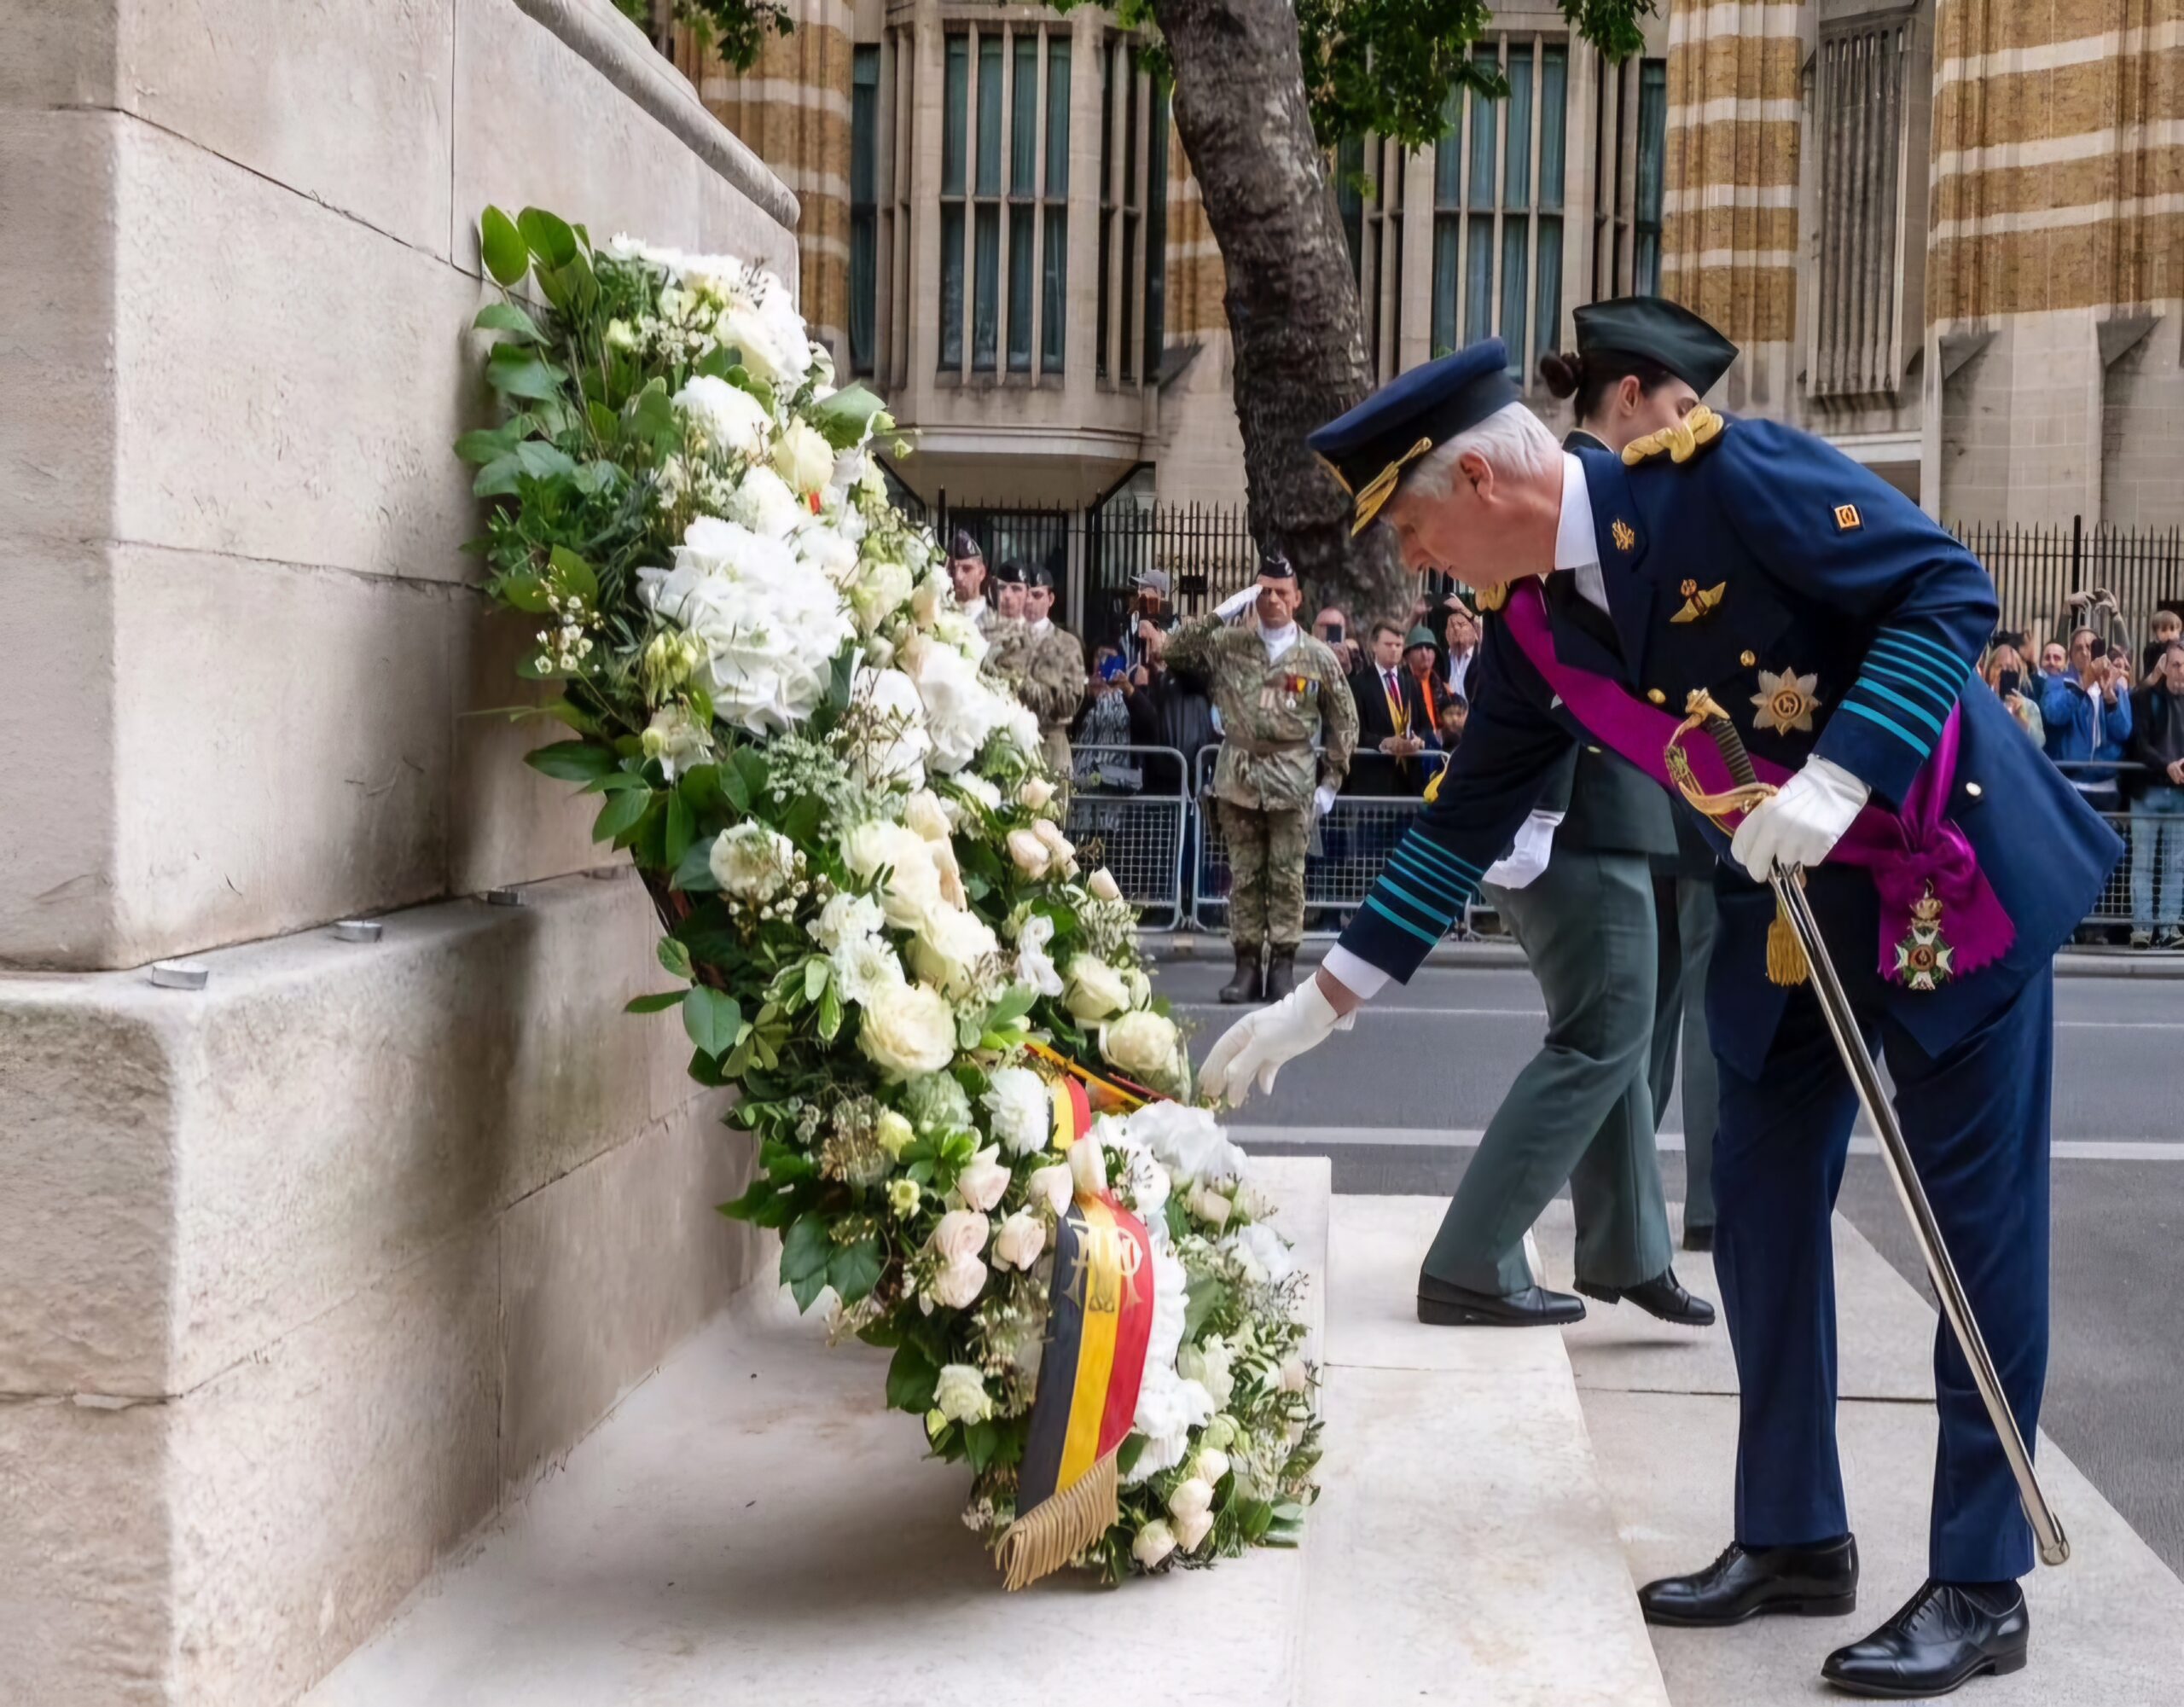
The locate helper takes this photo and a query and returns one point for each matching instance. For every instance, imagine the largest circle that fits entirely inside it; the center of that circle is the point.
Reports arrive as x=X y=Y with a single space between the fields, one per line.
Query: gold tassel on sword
x=1795 y=922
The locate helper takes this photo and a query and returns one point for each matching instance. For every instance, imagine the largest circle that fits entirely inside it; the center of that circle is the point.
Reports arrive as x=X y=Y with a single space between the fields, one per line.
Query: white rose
x=1034 y=965
x=958 y=1284
x=866 y=971
x=985 y=1181
x=829 y=549
x=1190 y=1498
x=960 y=1233
x=961 y=1395
x=1020 y=1240
x=1208 y=1205
x=1210 y=1465
x=1053 y=1185
x=765 y=354
x=1095 y=988
x=1208 y=1363
x=844 y=917
x=1034 y=793
x=913 y=1032
x=1192 y=1530
x=876 y=592
x=1088 y=1168
x=677 y=739
x=1296 y=1375
x=1262 y=1254
x=952 y=949
x=1101 y=885
x=753 y=862
x=1154 y=1542
x=1021 y=1110
x=894 y=1133
x=1056 y=844
x=912 y=892
x=1029 y=852
x=804 y=458
x=924 y=813
x=762 y=502
x=727 y=417
x=1144 y=1045
x=960 y=710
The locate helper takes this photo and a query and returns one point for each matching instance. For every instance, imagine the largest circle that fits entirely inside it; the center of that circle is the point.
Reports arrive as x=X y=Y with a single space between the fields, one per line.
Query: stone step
x=752 y=1526
x=1464 y=1549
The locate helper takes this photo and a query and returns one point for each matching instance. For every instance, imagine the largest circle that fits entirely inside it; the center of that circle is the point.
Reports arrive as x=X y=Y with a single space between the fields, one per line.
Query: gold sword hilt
x=1787 y=961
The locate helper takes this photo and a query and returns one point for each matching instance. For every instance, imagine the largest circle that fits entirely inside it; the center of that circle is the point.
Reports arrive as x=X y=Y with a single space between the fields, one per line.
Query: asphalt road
x=1399 y=1102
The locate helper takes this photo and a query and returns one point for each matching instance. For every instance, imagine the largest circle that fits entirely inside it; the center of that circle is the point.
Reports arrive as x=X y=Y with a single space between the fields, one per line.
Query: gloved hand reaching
x=1799 y=826
x=1255 y=1048
x=1322 y=801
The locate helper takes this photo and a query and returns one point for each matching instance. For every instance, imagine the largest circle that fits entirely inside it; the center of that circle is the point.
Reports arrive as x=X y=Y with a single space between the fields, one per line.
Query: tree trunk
x=1293 y=317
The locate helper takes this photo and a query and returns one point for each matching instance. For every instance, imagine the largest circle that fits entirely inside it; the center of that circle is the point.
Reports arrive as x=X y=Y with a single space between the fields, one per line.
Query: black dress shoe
x=1699 y=1239
x=1942 y=1637
x=1664 y=1296
x=1442 y=1305
x=1817 y=1582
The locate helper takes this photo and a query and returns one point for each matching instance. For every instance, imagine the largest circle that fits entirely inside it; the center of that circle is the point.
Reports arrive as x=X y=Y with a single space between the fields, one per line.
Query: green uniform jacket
x=1270 y=713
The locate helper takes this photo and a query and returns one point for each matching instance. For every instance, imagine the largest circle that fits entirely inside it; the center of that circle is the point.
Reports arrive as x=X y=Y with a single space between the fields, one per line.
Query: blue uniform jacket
x=1867 y=618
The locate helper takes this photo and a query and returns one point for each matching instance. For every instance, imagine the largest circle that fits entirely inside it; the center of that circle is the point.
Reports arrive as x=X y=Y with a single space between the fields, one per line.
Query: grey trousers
x=1696 y=920
x=1581 y=1109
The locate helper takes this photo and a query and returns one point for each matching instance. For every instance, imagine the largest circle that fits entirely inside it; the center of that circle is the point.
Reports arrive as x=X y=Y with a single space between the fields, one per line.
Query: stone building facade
x=1949 y=235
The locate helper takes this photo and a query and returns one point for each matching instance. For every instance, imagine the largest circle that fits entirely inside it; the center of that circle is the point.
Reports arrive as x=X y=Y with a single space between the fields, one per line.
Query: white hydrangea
x=764 y=503
x=728 y=418
x=960 y=710
x=1262 y=1255
x=752 y=862
x=1189 y=1141
x=844 y=919
x=1021 y=1112
x=893 y=743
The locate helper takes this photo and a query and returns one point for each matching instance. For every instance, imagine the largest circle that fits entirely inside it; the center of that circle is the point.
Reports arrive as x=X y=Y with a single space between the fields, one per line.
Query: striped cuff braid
x=1422 y=890
x=1893 y=713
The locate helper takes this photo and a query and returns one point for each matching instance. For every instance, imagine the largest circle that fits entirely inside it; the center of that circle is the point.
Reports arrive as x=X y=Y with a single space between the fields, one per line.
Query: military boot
x=1245 y=986
x=1280 y=971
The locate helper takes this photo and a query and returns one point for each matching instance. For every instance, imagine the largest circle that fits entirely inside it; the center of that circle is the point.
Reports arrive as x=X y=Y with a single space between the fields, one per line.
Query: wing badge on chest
x=1698 y=601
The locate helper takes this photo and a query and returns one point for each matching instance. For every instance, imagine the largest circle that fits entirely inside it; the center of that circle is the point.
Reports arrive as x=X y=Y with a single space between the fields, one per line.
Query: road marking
x=1387 y=1012
x=2119 y=1024
x=1468 y=1137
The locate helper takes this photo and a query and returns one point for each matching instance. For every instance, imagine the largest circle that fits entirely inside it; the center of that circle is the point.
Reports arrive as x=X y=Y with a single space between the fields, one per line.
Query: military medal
x=1698 y=601
x=1786 y=701
x=1922 y=958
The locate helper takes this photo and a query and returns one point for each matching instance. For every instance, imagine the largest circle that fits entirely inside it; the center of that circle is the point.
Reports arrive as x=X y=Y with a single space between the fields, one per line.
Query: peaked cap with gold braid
x=1369 y=448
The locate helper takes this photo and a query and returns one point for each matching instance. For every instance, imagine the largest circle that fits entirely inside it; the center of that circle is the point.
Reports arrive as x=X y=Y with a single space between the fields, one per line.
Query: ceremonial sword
x=1790 y=896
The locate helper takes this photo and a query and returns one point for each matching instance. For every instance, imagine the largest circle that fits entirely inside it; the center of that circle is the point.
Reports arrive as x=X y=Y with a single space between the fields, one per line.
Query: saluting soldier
x=1277 y=689
x=1945 y=859
x=1053 y=672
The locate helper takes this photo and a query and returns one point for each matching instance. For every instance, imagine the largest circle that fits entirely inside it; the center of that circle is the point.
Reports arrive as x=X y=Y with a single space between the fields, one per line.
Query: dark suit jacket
x=1371 y=771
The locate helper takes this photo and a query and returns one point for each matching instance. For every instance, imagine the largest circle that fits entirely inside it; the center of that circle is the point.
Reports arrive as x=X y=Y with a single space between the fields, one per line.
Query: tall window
x=1350 y=197
x=1156 y=232
x=1498 y=185
x=985 y=286
x=1052 y=319
x=1023 y=194
x=1653 y=152
x=864 y=212
x=954 y=132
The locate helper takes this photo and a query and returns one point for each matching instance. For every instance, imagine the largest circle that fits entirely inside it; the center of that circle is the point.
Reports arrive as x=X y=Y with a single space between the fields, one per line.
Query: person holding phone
x=2005 y=673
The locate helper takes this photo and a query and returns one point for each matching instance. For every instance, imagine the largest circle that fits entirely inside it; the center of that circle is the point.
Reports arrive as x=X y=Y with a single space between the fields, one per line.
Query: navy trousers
x=1976 y=1119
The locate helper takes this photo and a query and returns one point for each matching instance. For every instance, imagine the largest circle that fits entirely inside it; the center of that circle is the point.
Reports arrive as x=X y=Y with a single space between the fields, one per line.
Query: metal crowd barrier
x=1129 y=812
x=2151 y=841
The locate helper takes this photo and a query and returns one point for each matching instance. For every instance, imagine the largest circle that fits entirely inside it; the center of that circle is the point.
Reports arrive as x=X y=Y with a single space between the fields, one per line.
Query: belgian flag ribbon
x=1099 y=1318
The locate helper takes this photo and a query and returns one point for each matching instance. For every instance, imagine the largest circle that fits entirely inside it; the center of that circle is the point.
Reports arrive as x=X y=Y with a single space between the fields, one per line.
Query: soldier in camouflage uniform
x=1275 y=688
x=1008 y=636
x=1053 y=674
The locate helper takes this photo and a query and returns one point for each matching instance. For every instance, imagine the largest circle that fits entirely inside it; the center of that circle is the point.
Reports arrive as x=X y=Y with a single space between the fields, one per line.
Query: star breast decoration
x=1785 y=702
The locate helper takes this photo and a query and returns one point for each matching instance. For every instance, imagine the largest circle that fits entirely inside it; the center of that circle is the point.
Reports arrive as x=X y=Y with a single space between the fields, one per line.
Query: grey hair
x=1512 y=441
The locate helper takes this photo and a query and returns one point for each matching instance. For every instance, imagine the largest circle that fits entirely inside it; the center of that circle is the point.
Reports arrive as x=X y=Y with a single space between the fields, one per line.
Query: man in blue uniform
x=1838 y=626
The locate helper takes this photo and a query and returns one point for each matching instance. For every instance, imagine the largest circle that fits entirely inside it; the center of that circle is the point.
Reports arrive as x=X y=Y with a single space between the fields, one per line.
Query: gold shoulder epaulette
x=1681 y=441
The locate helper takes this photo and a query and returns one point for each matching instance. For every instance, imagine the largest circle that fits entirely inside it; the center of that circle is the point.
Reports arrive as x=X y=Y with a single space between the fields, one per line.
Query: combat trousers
x=1266 y=865
x=1975 y=1118
x=1581 y=1109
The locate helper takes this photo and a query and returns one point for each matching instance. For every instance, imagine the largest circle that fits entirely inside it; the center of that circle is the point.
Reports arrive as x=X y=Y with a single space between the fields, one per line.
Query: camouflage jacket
x=1270 y=713
x=1008 y=650
x=1053 y=679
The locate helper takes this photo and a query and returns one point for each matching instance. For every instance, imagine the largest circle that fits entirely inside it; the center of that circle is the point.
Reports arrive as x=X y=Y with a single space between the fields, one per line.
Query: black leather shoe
x=1817 y=1582
x=1699 y=1239
x=1280 y=971
x=1664 y=1296
x=1442 y=1305
x=1245 y=986
x=1941 y=1638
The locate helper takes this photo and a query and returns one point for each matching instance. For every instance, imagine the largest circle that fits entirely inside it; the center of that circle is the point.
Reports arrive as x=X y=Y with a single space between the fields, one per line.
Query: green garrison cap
x=1663 y=331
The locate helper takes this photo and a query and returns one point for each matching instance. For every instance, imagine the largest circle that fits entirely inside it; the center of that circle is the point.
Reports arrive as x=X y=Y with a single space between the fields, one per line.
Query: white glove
x=1322 y=801
x=1256 y=1046
x=1800 y=825
x=1236 y=604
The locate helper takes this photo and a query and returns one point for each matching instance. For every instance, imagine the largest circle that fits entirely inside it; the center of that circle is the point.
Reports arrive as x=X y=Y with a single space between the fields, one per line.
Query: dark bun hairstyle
x=1591 y=377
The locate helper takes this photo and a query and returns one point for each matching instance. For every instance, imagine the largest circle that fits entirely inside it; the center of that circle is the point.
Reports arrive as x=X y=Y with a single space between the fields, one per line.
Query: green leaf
x=979 y=1440
x=517 y=372
x=548 y=235
x=695 y=875
x=649 y=417
x=783 y=1165
x=854 y=1269
x=843 y=418
x=815 y=976
x=699 y=787
x=675 y=958
x=682 y=828
x=505 y=317
x=830 y=1015
x=616 y=782
x=525 y=593
x=806 y=1249
x=736 y=791
x=497 y=479
x=542 y=462
x=912 y=1379
x=571 y=761
x=507 y=257
x=620 y=813
x=571 y=577
x=657 y=1003
x=713 y=1019
x=762 y=1206
x=483 y=444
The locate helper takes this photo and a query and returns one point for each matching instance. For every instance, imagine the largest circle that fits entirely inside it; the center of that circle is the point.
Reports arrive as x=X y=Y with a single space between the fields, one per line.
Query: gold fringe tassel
x=1043 y=1539
x=1785 y=955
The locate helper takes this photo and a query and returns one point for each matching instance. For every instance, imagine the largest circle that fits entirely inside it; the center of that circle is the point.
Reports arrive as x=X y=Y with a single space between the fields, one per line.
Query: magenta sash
x=1904 y=853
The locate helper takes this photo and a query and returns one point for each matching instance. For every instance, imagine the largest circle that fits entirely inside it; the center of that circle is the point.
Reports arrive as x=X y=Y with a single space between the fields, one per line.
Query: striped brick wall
x=1196 y=283
x=793 y=109
x=1729 y=211
x=2057 y=157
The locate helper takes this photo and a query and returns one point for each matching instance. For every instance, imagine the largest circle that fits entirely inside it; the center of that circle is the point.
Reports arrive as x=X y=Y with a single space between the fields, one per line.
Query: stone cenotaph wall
x=304 y=1273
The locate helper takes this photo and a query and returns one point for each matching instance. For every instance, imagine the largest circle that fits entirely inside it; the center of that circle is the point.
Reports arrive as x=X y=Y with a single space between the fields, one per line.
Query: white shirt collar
x=1277 y=640
x=1577 y=545
x=1043 y=624
x=972 y=608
